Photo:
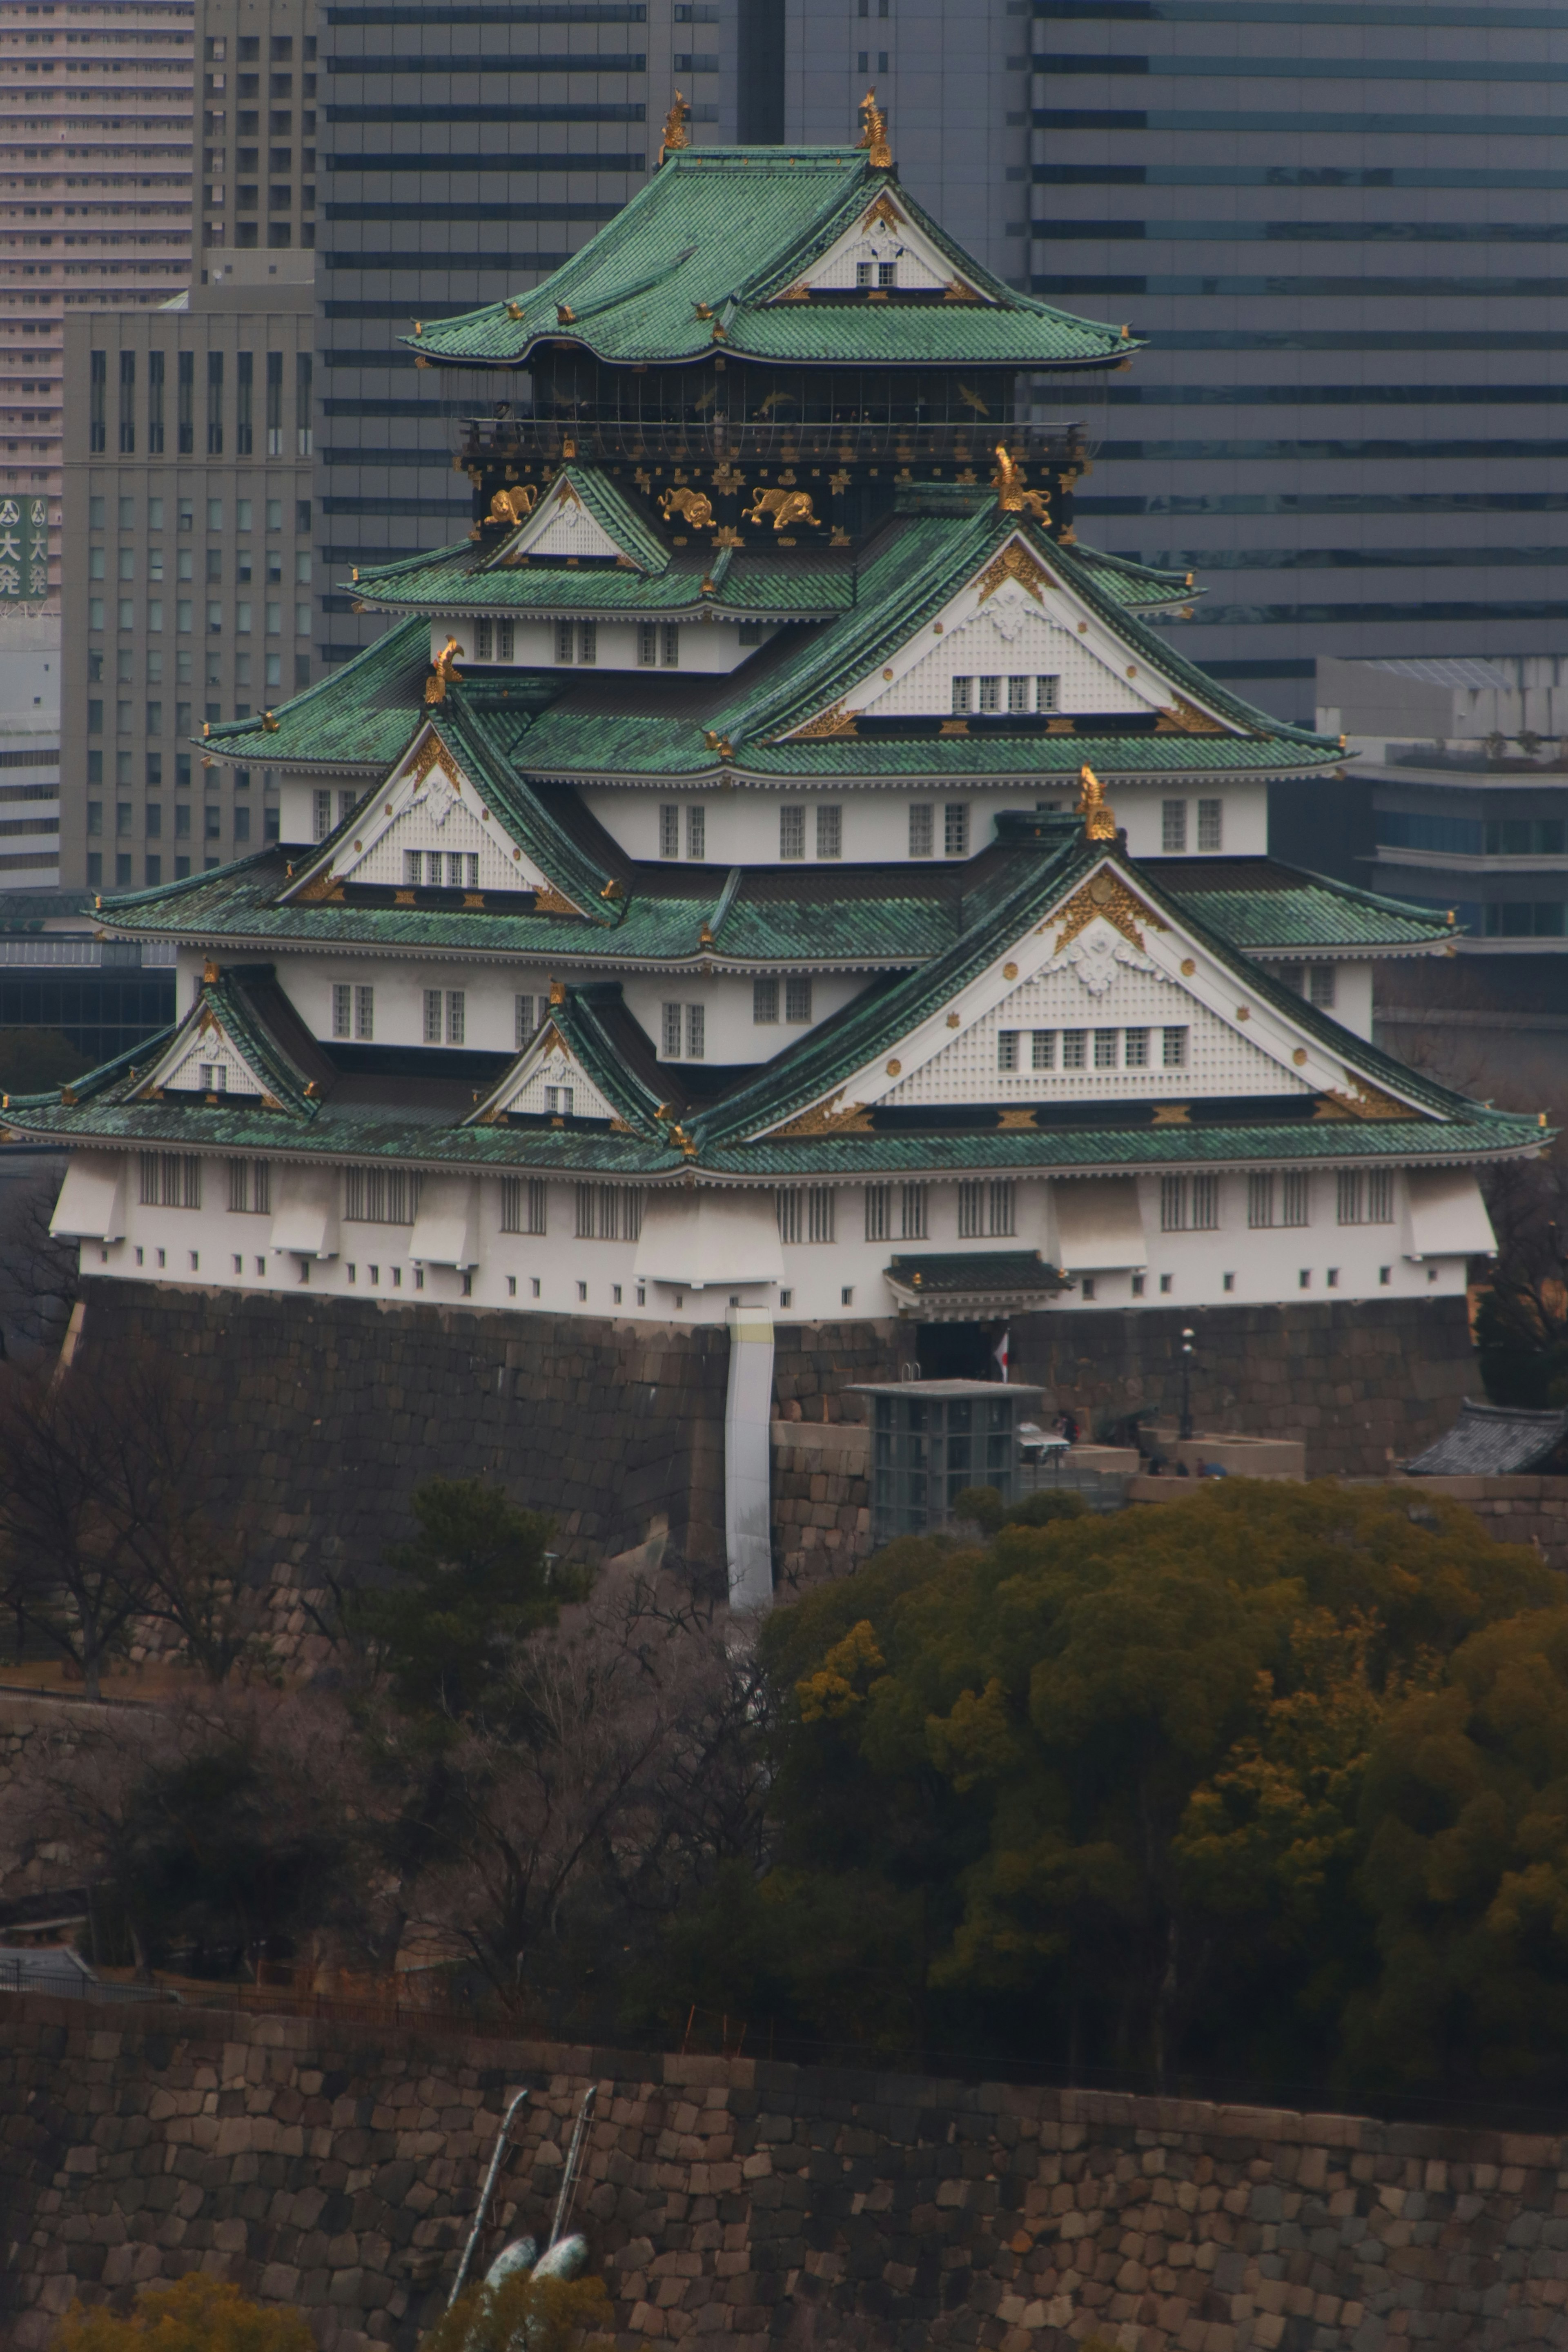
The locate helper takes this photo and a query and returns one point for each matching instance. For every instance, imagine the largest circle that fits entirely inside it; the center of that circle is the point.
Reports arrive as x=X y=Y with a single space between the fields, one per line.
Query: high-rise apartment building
x=1334 y=224
x=463 y=156
x=95 y=208
x=189 y=446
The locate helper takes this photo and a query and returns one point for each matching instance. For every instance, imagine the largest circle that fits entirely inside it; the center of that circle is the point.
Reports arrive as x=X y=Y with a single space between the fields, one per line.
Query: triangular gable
x=885 y=239
x=205 y=1058
x=429 y=810
x=1017 y=622
x=565 y=526
x=1100 y=979
x=547 y=1080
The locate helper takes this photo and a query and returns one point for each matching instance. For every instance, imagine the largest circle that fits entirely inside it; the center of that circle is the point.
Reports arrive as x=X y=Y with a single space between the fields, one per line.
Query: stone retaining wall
x=335 y=2168
x=1515 y=1510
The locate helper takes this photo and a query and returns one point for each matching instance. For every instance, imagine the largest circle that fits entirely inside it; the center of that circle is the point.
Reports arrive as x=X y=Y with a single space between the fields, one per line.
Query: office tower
x=1335 y=228
x=189 y=440
x=95 y=208
x=463 y=157
x=955 y=83
x=29 y=750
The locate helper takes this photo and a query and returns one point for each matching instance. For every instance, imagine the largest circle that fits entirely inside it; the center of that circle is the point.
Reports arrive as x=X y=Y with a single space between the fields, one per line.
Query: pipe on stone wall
x=748 y=1461
x=484 y=2195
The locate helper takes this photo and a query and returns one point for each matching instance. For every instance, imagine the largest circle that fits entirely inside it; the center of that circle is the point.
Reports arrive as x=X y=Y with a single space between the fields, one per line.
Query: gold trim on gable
x=1015 y=562
x=548 y=900
x=433 y=753
x=834 y=720
x=827 y=1118
x=1186 y=718
x=1362 y=1101
x=322 y=885
x=1104 y=894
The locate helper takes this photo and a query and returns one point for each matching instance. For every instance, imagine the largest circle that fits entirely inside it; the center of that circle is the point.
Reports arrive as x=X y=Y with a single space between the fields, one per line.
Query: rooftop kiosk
x=930 y=1439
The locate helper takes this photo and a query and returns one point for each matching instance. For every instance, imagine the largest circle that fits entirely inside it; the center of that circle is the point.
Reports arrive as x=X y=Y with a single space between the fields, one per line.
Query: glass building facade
x=1341 y=227
x=464 y=155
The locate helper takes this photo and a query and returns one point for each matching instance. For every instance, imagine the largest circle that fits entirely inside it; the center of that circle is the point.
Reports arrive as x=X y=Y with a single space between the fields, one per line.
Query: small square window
x=1167 y=1283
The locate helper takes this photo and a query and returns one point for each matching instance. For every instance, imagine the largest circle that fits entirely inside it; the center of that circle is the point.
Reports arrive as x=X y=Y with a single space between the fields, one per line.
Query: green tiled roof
x=725 y=229
x=464 y=579
x=358 y=717
x=632 y=533
x=1262 y=907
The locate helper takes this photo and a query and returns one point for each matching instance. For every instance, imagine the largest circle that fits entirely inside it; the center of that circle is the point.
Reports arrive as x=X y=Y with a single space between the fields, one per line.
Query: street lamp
x=1186 y=1428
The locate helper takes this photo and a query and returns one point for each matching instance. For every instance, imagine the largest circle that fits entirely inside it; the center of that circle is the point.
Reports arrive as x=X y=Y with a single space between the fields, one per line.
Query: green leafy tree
x=1049 y=1780
x=475 y=1580
x=1465 y=1872
x=198 y=2314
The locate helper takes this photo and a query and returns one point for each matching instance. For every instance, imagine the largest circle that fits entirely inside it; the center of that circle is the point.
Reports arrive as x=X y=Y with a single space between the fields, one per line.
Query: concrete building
x=29 y=751
x=95 y=208
x=189 y=442
x=1334 y=226
x=1457 y=797
x=463 y=157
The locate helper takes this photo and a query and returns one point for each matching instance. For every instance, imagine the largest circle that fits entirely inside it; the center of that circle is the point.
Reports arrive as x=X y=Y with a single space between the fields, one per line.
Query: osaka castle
x=770 y=864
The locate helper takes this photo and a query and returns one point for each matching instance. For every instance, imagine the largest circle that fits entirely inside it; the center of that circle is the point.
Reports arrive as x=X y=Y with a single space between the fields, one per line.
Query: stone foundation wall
x=1366 y=1383
x=334 y=2168
x=1515 y=1510
x=332 y=1412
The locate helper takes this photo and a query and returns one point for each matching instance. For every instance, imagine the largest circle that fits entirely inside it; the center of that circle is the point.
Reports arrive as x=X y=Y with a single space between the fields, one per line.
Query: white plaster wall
x=743 y=822
x=706 y=645
x=731 y=1034
x=200 y=1246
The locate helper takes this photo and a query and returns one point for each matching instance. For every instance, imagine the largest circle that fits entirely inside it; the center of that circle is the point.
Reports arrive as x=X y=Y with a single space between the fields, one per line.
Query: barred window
x=1379 y=1197
x=1007 y=1049
x=1135 y=1048
x=365 y=1013
x=505 y=641
x=1043 y=1050
x=523 y=1203
x=1205 y=1204
x=788 y=1208
x=1189 y=1204
x=961 y=689
x=1351 y=1191
x=432 y=1016
x=1046 y=692
x=792 y=832
x=609 y=1212
x=456 y=1016
x=413 y=869
x=1260 y=1202
x=1173 y=1048
x=986 y=1210
x=1105 y=1049
x=558 y=1102
x=250 y=1187
x=381 y=1196
x=486 y=634
x=797 y=1001
x=527 y=1019
x=913 y=1217
x=671 y=1028
x=1365 y=1197
x=671 y=645
x=696 y=833
x=1211 y=825
x=1321 y=985
x=1075 y=1045
x=956 y=829
x=990 y=696
x=829 y=830
x=566 y=640
x=669 y=830
x=878 y=1211
x=170 y=1179
x=696 y=1032
x=922 y=831
x=764 y=1002
x=819 y=1213
x=1173 y=827
x=342 y=1011
x=1296 y=1198
x=1017 y=694
x=647 y=645
x=214 y=1079
x=1172 y=1205
x=322 y=814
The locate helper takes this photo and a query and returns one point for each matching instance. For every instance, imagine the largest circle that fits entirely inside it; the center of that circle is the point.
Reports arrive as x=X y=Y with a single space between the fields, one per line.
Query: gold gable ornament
x=874 y=132
x=830 y=1118
x=1099 y=817
x=1185 y=718
x=443 y=671
x=676 y=134
x=1104 y=894
x=834 y=720
x=1015 y=562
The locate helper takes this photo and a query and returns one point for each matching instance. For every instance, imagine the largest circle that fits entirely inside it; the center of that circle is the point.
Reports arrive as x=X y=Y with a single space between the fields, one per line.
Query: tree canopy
x=197 y=2313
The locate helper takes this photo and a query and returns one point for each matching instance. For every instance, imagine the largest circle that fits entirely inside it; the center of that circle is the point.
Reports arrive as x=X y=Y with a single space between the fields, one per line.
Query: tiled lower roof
x=1493 y=1441
x=1259 y=904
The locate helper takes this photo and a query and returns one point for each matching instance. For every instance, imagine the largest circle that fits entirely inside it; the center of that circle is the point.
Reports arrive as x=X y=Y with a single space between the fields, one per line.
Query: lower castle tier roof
x=638 y=725
x=859 y=919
